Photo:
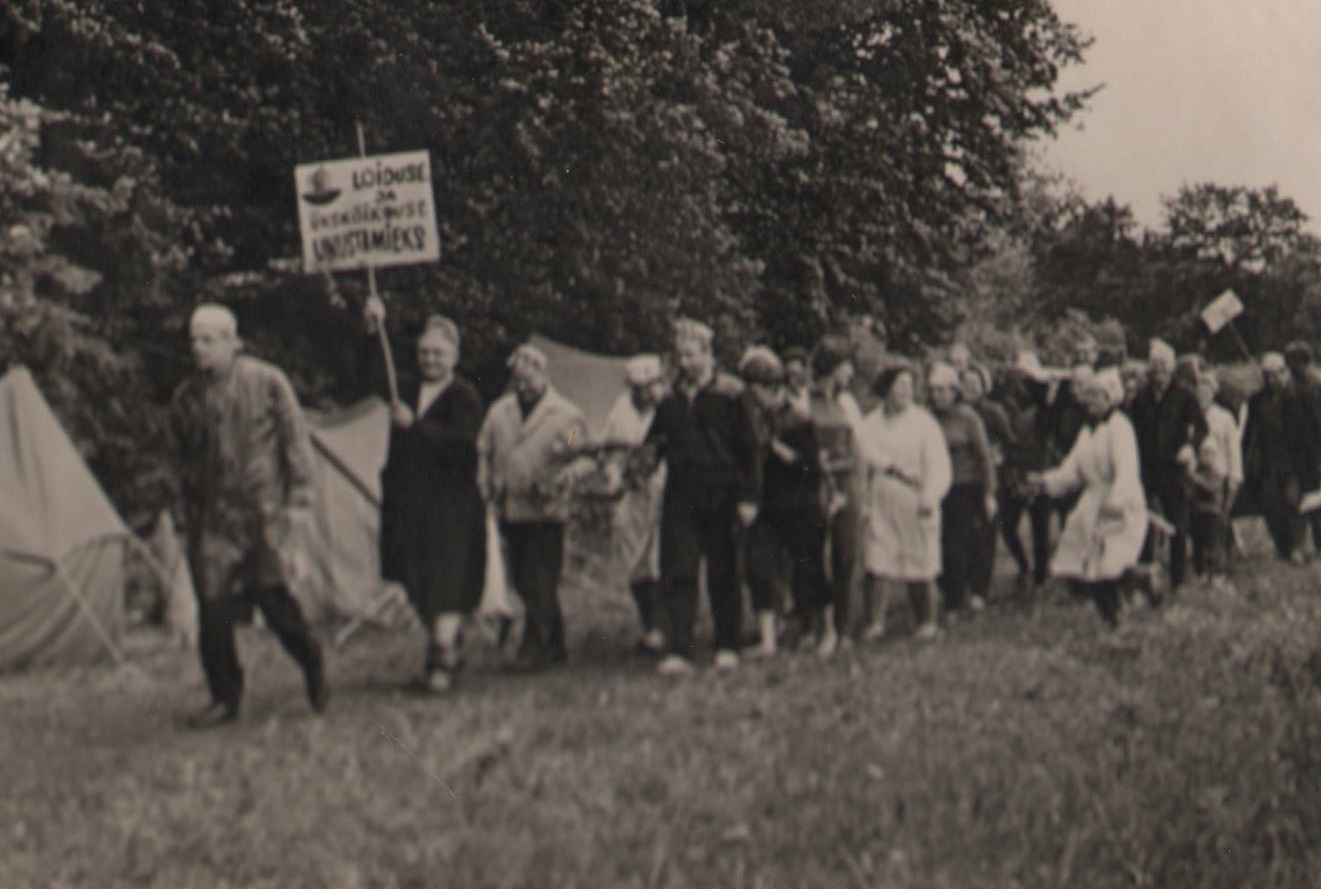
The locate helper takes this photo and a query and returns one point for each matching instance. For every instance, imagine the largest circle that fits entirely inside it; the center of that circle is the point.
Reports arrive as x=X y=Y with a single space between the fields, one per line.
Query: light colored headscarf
x=443 y=326
x=942 y=375
x=643 y=370
x=528 y=356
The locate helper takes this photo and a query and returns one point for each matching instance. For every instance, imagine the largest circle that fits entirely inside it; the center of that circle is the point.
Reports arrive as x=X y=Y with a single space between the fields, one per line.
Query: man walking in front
x=705 y=432
x=244 y=466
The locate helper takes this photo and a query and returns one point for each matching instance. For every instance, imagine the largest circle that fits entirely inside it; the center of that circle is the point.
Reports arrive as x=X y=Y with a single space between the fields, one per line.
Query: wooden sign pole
x=390 y=376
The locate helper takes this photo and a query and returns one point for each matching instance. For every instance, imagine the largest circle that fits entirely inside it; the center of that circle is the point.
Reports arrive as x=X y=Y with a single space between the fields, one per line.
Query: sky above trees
x=1195 y=90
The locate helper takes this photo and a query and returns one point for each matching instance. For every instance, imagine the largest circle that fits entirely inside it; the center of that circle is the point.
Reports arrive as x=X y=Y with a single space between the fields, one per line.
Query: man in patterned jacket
x=244 y=465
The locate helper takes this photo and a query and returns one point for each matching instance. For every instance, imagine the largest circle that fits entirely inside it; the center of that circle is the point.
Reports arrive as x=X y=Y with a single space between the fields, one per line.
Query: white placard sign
x=1223 y=309
x=367 y=212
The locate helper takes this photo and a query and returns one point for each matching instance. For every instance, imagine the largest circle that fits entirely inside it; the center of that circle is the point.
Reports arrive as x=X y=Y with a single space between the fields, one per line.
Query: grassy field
x=1028 y=748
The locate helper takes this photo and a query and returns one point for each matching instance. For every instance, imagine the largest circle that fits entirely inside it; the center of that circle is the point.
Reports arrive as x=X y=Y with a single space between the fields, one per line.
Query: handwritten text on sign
x=367 y=212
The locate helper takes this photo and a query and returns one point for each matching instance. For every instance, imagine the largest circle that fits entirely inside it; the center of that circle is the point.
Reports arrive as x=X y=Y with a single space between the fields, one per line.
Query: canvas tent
x=344 y=570
x=62 y=544
x=591 y=381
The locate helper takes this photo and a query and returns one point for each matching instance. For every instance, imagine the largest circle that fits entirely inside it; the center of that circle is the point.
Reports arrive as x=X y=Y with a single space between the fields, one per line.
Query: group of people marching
x=775 y=480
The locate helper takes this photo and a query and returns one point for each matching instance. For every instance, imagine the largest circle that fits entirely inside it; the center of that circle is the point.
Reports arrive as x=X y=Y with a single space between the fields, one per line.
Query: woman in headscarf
x=908 y=475
x=433 y=522
x=967 y=510
x=976 y=387
x=1223 y=429
x=1103 y=536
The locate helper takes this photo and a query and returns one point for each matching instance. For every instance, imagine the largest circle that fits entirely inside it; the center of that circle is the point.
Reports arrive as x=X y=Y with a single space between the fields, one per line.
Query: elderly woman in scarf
x=1103 y=537
x=908 y=475
x=966 y=531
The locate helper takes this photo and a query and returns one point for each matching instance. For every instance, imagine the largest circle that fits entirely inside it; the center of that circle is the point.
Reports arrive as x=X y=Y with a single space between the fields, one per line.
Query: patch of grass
x=1029 y=748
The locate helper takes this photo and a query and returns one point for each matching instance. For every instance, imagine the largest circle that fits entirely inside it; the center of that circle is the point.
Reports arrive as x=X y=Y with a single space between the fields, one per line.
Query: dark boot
x=314 y=677
x=214 y=715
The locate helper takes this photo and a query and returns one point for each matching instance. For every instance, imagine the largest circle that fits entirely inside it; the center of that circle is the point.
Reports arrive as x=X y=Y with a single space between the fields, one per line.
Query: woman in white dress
x=1103 y=537
x=908 y=474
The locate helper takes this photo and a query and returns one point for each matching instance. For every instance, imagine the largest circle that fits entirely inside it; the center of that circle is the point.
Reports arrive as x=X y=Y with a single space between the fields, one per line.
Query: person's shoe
x=761 y=652
x=438 y=681
x=928 y=632
x=525 y=663
x=318 y=690
x=875 y=631
x=726 y=661
x=1298 y=557
x=976 y=604
x=674 y=665
x=215 y=714
x=652 y=643
x=828 y=644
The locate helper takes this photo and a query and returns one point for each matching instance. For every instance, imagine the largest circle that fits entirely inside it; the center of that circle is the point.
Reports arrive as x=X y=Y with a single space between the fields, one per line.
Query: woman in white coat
x=908 y=474
x=1103 y=537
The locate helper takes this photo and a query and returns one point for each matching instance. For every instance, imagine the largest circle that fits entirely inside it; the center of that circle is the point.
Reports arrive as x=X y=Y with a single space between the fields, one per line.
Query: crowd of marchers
x=773 y=479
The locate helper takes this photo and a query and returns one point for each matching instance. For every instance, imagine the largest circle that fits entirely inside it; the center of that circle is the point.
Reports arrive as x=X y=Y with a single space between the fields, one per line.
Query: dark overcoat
x=433 y=521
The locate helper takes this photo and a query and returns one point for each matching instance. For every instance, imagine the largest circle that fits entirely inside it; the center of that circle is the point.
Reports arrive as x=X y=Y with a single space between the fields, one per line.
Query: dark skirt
x=436 y=548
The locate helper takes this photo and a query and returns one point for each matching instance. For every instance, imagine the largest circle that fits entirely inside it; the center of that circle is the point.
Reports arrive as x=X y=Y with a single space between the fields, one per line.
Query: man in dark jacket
x=244 y=463
x=1169 y=427
x=1298 y=358
x=1280 y=454
x=706 y=433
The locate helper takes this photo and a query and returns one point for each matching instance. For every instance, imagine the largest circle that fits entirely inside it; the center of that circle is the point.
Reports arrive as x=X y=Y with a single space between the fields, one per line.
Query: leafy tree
x=777 y=168
x=54 y=226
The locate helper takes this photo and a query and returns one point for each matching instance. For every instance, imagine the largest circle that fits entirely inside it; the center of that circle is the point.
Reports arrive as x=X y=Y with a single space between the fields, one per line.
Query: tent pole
x=90 y=614
x=390 y=594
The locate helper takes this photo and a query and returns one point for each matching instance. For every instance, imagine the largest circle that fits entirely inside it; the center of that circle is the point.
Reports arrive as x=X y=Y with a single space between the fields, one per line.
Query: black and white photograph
x=660 y=444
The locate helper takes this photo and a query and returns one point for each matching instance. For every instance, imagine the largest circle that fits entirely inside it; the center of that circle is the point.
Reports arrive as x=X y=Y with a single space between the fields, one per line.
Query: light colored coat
x=909 y=474
x=1104 y=534
x=1224 y=429
x=522 y=463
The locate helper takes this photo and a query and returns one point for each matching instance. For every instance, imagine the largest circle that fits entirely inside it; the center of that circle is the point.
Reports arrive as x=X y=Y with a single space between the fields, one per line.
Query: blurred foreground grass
x=1025 y=749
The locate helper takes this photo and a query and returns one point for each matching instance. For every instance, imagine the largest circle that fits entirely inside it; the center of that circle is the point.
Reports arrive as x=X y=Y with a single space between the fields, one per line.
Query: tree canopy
x=776 y=168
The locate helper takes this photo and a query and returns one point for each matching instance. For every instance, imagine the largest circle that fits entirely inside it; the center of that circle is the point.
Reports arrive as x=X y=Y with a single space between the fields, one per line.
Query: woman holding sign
x=433 y=522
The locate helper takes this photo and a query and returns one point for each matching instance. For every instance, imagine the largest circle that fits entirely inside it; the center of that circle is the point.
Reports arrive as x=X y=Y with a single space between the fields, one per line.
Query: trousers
x=1169 y=489
x=536 y=558
x=788 y=546
x=1210 y=542
x=1038 y=509
x=697 y=523
x=1279 y=496
x=965 y=532
x=216 y=620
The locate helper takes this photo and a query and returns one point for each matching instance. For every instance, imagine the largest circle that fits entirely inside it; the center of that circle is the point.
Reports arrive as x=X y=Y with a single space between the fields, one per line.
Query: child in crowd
x=1209 y=510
